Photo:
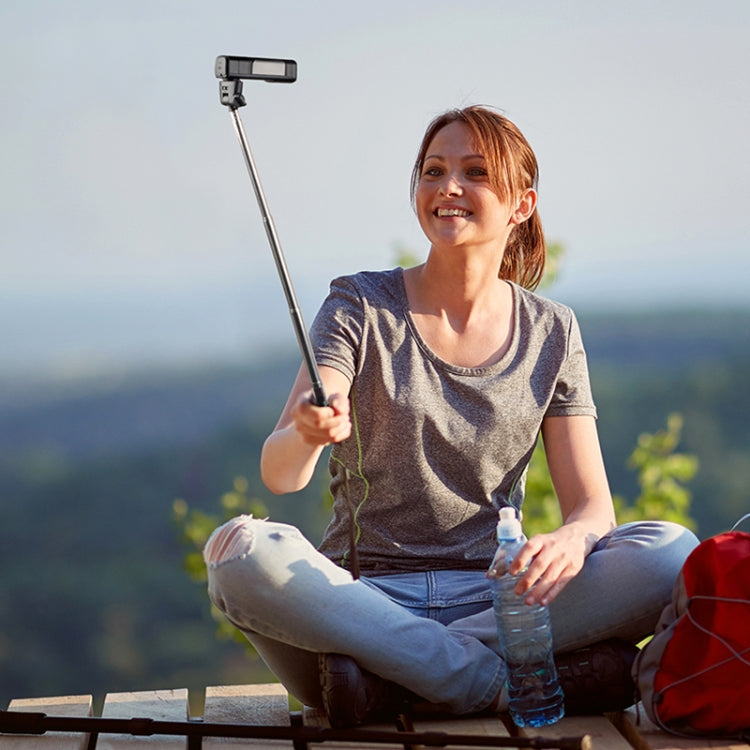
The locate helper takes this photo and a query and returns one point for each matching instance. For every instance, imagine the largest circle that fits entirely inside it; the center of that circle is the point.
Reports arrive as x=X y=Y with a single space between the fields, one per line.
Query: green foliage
x=405 y=257
x=541 y=511
x=662 y=474
x=196 y=526
x=555 y=253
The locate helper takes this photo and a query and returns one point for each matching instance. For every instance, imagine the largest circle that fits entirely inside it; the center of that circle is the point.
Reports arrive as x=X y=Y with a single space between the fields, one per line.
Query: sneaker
x=352 y=695
x=597 y=678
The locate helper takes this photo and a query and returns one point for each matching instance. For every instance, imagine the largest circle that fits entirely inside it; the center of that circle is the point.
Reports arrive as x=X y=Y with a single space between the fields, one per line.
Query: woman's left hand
x=553 y=560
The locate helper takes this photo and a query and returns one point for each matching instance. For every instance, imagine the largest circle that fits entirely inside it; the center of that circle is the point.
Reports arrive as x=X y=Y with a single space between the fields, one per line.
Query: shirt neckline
x=498 y=366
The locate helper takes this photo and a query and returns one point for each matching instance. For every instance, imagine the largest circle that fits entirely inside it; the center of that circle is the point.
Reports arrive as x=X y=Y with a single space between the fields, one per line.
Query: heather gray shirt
x=436 y=448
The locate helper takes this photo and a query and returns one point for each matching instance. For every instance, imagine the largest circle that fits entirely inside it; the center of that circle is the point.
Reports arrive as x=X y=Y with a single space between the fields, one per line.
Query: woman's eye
x=477 y=172
x=432 y=172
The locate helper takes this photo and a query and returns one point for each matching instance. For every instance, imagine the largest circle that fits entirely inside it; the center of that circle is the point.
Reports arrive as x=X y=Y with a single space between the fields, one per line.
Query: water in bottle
x=534 y=693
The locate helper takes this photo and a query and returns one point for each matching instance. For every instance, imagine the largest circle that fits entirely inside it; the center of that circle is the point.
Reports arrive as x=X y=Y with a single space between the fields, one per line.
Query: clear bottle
x=534 y=693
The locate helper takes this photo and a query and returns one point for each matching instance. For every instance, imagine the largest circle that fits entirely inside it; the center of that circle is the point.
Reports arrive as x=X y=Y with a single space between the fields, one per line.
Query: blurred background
x=145 y=344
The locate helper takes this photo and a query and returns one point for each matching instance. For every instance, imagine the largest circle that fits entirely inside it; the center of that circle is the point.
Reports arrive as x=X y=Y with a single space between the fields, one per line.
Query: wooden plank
x=164 y=705
x=643 y=734
x=266 y=705
x=604 y=735
x=483 y=726
x=73 y=705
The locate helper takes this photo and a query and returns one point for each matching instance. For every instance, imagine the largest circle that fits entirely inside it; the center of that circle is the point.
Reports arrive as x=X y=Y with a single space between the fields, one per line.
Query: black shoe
x=597 y=678
x=352 y=695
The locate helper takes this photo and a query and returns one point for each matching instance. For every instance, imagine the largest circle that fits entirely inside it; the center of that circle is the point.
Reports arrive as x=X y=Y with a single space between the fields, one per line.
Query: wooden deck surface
x=268 y=705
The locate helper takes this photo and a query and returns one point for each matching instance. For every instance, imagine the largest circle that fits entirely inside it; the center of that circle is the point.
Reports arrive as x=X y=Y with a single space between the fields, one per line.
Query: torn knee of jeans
x=231 y=541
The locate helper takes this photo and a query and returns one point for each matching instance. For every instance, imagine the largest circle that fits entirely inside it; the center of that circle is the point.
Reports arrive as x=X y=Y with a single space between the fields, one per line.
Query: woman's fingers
x=553 y=560
x=321 y=425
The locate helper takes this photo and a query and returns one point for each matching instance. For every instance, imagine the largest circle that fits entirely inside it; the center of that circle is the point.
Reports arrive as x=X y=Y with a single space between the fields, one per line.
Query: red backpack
x=693 y=676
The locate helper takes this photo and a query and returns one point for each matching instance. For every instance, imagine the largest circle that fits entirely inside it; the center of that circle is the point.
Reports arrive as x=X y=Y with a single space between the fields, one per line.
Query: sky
x=129 y=232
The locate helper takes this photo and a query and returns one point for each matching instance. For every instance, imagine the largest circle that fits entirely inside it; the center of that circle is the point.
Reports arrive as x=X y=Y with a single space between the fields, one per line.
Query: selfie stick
x=231 y=70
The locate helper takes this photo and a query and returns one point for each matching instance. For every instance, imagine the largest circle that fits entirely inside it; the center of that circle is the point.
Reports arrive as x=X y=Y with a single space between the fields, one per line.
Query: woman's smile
x=448 y=212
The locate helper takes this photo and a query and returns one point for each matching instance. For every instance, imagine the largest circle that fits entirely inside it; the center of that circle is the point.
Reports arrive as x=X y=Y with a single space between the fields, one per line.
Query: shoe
x=352 y=695
x=597 y=678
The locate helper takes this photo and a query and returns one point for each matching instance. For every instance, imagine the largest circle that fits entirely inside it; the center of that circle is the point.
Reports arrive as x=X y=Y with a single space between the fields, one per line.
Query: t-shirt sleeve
x=336 y=331
x=572 y=394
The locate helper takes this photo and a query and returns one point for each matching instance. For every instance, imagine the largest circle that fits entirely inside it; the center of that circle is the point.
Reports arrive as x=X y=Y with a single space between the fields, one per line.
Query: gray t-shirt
x=436 y=449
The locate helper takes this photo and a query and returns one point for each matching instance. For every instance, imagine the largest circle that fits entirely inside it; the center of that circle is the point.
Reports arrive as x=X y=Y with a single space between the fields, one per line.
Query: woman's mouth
x=452 y=212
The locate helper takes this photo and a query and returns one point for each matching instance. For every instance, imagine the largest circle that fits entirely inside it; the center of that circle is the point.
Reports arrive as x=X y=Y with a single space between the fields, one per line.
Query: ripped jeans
x=433 y=633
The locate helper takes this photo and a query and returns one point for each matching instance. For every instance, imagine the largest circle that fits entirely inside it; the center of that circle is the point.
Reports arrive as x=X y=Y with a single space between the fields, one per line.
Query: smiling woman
x=442 y=377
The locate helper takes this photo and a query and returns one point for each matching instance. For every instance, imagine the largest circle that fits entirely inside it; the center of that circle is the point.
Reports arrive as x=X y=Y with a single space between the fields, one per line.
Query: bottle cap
x=509 y=527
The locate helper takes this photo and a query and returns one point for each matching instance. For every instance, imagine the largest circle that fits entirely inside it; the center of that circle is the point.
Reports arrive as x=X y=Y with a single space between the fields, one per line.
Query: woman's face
x=455 y=203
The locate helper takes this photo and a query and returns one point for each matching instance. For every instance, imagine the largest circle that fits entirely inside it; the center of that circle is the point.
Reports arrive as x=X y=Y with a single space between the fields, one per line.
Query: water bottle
x=534 y=693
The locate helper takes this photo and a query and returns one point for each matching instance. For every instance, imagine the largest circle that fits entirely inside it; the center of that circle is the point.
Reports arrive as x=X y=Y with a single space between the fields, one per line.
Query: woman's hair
x=512 y=168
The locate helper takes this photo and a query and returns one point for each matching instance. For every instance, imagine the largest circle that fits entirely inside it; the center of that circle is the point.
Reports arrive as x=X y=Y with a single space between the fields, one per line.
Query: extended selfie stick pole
x=231 y=71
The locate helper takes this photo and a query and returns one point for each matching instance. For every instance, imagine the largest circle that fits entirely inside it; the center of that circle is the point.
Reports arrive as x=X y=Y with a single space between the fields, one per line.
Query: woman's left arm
x=577 y=470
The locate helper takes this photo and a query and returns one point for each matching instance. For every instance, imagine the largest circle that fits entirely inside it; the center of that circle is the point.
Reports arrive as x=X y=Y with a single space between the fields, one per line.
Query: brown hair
x=512 y=168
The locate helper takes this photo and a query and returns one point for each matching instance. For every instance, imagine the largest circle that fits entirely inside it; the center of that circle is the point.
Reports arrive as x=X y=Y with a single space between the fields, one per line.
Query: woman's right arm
x=291 y=451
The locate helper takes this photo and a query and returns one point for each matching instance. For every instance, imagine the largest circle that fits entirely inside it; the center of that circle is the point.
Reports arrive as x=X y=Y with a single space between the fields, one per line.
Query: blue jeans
x=433 y=633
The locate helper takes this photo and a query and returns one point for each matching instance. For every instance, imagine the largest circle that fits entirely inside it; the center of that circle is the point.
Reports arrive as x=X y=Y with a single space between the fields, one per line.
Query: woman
x=442 y=377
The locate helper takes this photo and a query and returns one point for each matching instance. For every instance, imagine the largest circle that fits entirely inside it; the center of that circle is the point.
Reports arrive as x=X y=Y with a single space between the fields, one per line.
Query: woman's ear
x=525 y=206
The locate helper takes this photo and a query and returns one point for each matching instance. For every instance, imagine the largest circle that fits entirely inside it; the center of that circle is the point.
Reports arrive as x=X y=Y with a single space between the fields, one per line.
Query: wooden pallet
x=268 y=705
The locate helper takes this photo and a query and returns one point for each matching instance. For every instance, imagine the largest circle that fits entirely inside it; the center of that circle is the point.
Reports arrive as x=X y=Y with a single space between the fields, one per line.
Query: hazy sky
x=128 y=226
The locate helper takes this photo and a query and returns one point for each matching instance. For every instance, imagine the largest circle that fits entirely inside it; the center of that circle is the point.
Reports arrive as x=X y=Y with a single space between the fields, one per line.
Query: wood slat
x=604 y=735
x=643 y=734
x=72 y=705
x=165 y=705
x=266 y=705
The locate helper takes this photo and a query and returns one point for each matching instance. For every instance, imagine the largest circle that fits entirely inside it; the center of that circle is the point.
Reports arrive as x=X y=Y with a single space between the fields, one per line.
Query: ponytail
x=525 y=254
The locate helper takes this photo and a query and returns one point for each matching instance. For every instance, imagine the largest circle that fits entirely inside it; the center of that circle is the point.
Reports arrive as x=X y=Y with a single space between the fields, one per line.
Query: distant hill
x=131 y=413
x=667 y=340
x=171 y=407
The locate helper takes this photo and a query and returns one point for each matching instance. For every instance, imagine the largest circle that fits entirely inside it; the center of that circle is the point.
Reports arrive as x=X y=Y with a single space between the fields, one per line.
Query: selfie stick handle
x=303 y=339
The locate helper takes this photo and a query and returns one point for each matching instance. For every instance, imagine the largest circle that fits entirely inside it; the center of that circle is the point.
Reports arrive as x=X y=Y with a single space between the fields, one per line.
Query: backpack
x=693 y=676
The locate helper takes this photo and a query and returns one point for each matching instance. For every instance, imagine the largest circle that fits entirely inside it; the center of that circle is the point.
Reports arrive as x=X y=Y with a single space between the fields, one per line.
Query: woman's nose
x=451 y=186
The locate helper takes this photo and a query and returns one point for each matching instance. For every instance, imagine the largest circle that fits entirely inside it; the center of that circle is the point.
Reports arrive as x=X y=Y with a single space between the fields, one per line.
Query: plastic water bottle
x=534 y=693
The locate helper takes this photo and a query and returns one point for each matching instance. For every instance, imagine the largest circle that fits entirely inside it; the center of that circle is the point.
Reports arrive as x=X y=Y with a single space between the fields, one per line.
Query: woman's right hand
x=290 y=453
x=321 y=425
